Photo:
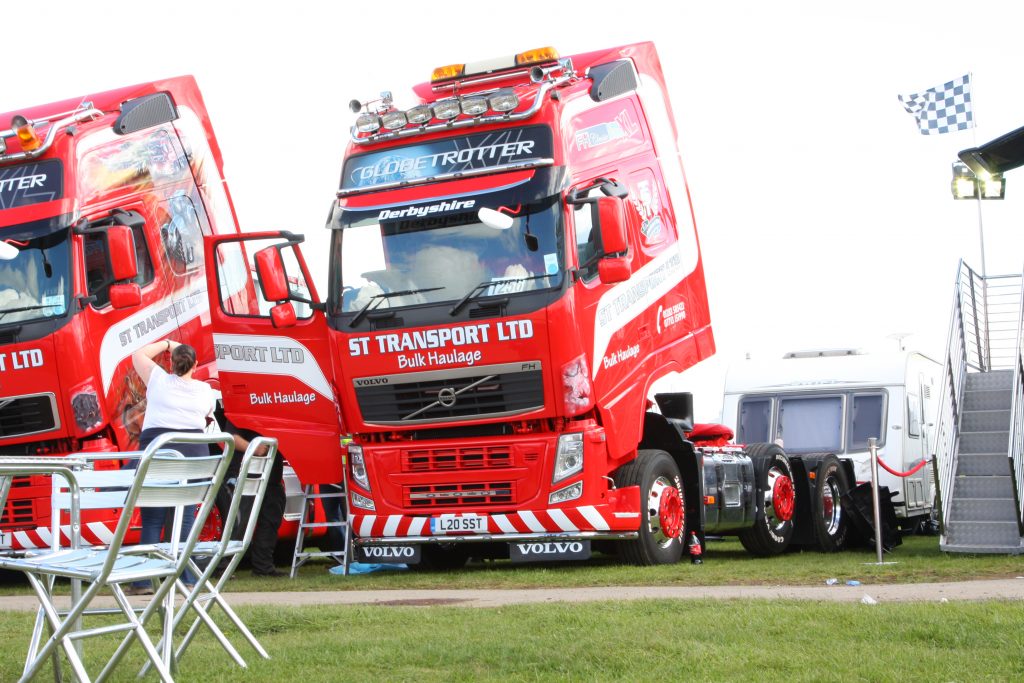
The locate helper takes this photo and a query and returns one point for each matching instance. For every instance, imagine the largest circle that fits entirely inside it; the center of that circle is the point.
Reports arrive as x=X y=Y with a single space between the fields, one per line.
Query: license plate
x=458 y=524
x=6 y=539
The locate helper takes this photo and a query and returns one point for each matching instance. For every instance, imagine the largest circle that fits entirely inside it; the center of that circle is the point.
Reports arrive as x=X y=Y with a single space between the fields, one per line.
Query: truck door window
x=811 y=423
x=98 y=273
x=588 y=237
x=867 y=420
x=181 y=234
x=755 y=420
x=240 y=292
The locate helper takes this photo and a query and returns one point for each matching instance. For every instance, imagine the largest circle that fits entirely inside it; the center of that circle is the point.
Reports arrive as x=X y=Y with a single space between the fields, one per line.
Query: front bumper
x=617 y=518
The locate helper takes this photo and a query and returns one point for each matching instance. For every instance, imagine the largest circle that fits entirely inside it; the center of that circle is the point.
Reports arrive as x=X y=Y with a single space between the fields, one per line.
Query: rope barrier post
x=875 y=461
x=877 y=508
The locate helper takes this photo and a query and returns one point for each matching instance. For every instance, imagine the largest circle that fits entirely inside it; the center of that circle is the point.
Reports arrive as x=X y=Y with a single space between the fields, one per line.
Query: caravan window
x=867 y=419
x=809 y=424
x=755 y=420
x=913 y=416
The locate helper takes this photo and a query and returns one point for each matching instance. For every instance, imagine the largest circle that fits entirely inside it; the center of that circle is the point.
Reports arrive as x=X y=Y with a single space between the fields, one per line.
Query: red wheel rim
x=783 y=498
x=670 y=512
x=213 y=527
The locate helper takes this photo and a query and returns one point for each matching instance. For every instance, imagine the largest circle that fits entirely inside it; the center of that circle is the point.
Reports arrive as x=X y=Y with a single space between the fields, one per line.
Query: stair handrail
x=1015 y=449
x=954 y=372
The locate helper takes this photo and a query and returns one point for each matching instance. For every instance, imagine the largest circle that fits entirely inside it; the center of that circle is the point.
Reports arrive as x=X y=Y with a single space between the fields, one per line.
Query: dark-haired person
x=175 y=402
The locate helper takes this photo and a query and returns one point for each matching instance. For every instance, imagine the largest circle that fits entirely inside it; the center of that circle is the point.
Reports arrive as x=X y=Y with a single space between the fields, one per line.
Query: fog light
x=367 y=123
x=569 y=457
x=568 y=493
x=362 y=502
x=447 y=109
x=393 y=120
x=419 y=115
x=474 y=106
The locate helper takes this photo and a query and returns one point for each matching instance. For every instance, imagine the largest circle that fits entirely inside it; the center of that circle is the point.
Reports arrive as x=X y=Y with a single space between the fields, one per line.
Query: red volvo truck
x=513 y=263
x=104 y=202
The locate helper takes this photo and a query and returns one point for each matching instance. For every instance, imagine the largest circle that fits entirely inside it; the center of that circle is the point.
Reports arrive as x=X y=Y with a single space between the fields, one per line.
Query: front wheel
x=776 y=501
x=662 y=509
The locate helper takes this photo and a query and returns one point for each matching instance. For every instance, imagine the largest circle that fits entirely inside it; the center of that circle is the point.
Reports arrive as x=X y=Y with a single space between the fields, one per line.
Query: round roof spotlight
x=447 y=109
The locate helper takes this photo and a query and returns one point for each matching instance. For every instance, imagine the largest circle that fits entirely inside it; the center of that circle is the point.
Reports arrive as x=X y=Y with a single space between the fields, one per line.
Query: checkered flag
x=942 y=109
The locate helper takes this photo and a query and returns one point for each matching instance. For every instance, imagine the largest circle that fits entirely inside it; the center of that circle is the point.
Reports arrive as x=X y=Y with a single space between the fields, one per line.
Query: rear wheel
x=662 y=509
x=776 y=501
x=829 y=517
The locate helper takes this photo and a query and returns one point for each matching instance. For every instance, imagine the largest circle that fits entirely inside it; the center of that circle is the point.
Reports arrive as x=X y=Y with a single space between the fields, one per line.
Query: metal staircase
x=980 y=445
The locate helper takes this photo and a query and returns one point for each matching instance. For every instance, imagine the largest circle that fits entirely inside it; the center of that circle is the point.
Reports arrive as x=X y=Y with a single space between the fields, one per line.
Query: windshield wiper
x=377 y=299
x=475 y=292
x=23 y=308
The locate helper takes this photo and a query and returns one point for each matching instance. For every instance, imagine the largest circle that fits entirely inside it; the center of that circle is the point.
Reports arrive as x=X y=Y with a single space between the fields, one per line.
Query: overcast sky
x=825 y=219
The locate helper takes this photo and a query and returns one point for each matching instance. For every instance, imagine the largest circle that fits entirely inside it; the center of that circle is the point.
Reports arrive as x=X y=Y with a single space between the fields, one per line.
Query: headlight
x=394 y=120
x=568 y=493
x=359 y=476
x=474 y=106
x=569 y=458
x=367 y=123
x=418 y=115
x=504 y=100
x=447 y=109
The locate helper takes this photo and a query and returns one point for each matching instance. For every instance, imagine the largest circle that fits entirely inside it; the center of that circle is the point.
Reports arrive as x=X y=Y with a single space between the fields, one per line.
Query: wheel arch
x=662 y=433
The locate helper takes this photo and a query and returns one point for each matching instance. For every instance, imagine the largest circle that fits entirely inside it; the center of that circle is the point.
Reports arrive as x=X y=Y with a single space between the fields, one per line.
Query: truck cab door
x=273 y=355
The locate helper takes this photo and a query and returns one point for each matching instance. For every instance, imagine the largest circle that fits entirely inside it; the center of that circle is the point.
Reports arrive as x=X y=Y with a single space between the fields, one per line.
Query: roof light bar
x=446 y=73
x=541 y=54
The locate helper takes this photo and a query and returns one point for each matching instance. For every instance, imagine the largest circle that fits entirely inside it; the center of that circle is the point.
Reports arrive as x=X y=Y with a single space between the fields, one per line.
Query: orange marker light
x=543 y=54
x=445 y=73
x=26 y=133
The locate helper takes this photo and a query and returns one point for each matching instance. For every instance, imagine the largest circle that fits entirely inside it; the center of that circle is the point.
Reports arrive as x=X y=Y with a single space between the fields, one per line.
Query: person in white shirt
x=175 y=402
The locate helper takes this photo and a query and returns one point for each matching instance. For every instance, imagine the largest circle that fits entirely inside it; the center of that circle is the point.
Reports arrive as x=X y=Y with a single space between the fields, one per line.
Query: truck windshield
x=34 y=275
x=444 y=257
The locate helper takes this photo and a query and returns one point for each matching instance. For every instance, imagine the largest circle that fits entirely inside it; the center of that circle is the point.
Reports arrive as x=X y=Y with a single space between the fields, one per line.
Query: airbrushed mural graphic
x=71 y=315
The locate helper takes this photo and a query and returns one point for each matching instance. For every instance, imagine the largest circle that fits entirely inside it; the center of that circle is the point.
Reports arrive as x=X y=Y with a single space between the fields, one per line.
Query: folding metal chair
x=163 y=479
x=252 y=481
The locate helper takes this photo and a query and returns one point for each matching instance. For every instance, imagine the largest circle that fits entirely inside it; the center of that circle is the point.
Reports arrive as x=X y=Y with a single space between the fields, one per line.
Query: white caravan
x=833 y=401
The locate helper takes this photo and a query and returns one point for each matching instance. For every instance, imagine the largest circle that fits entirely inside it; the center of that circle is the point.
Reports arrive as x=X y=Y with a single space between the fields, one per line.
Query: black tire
x=444 y=557
x=828 y=517
x=662 y=509
x=773 y=519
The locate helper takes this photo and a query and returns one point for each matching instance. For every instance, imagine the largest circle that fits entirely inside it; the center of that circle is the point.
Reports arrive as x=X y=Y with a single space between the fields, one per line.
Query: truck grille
x=458 y=495
x=451 y=395
x=19 y=514
x=28 y=415
x=432 y=460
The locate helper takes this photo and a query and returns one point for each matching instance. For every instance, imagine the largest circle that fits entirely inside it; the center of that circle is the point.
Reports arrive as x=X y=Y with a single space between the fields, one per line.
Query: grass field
x=613 y=641
x=726 y=563
x=626 y=641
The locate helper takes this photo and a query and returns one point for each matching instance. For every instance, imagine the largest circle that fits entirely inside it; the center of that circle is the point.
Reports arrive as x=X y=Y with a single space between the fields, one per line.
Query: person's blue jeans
x=155 y=521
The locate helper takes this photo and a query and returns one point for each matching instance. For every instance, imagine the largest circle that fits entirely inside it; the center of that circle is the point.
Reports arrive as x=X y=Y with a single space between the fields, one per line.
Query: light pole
x=983 y=185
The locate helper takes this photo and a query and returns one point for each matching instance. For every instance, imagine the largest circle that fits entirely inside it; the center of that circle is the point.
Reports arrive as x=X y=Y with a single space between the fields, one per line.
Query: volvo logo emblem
x=446 y=397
